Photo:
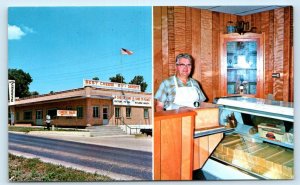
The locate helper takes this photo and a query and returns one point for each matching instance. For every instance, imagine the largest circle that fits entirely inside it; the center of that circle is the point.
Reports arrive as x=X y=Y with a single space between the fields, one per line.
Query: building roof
x=79 y=93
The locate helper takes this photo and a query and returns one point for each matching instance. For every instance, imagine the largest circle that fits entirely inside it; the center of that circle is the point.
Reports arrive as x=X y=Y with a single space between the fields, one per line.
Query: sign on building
x=67 y=113
x=132 y=101
x=11 y=91
x=112 y=85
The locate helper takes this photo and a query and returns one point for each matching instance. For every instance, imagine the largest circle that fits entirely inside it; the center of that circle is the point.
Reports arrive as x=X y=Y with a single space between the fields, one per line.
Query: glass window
x=28 y=115
x=79 y=112
x=128 y=112
x=146 y=113
x=17 y=116
x=117 y=112
x=52 y=113
x=95 y=112
x=241 y=67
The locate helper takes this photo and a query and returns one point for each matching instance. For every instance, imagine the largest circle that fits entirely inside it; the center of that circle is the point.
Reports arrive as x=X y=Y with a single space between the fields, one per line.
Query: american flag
x=126 y=52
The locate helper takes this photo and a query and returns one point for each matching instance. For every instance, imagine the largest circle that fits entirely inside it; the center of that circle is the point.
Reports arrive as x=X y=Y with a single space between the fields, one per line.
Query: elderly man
x=179 y=90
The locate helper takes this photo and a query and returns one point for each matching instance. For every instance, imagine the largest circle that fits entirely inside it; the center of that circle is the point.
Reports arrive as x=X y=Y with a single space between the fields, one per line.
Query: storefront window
x=28 y=115
x=52 y=113
x=117 y=112
x=17 y=116
x=146 y=113
x=95 y=112
x=79 y=112
x=128 y=112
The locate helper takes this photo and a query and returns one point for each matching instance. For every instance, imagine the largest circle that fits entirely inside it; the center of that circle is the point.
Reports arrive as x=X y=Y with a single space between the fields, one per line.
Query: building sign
x=112 y=85
x=68 y=113
x=132 y=101
x=11 y=91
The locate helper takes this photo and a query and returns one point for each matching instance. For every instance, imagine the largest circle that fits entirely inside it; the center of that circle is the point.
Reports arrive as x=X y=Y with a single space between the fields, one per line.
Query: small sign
x=132 y=101
x=67 y=113
x=11 y=91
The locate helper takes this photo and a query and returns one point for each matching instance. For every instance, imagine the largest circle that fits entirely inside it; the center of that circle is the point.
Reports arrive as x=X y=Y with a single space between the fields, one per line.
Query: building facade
x=97 y=103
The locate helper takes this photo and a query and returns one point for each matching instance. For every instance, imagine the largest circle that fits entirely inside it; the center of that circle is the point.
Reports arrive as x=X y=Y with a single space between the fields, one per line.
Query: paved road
x=120 y=164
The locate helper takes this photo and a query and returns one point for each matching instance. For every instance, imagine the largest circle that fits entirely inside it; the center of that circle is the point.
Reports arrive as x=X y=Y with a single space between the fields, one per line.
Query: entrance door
x=39 y=117
x=105 y=115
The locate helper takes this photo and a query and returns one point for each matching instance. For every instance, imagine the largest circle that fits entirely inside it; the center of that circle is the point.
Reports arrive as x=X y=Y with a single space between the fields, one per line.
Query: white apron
x=185 y=96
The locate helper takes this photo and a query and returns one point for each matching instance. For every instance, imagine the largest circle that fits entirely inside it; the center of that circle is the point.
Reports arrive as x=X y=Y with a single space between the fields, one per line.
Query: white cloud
x=15 y=32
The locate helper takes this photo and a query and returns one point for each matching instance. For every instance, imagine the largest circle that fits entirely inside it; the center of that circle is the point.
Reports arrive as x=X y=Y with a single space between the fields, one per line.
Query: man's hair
x=184 y=55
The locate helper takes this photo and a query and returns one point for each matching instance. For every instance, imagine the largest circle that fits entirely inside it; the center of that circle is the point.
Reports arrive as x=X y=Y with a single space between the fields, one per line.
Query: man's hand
x=159 y=106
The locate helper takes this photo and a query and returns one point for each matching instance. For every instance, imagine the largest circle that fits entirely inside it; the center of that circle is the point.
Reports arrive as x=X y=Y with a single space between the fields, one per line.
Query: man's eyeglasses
x=184 y=65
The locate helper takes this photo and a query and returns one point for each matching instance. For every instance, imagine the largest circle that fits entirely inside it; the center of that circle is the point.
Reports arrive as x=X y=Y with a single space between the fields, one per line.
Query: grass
x=33 y=170
x=25 y=129
x=28 y=129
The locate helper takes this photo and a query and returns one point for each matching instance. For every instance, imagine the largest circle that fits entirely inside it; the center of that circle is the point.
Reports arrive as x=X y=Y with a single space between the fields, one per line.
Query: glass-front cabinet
x=242 y=64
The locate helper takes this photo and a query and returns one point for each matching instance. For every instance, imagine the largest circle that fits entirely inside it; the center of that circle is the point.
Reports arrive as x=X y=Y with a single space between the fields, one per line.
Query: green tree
x=118 y=78
x=95 y=78
x=22 y=82
x=34 y=93
x=139 y=80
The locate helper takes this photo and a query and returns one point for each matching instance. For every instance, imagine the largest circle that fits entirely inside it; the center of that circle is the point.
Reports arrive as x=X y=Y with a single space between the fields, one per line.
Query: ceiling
x=238 y=10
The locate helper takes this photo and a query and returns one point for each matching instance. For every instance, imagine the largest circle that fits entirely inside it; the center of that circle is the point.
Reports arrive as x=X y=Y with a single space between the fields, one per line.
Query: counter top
x=271 y=106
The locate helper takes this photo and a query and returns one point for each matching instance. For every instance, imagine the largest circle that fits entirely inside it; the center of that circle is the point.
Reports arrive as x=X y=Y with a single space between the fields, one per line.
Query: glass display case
x=242 y=64
x=262 y=143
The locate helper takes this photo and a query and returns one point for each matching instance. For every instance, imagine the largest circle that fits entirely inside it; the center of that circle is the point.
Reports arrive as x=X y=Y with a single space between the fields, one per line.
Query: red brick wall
x=137 y=116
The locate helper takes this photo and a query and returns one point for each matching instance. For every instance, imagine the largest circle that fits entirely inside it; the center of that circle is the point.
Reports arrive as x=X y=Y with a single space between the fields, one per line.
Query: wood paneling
x=179 y=30
x=165 y=44
x=195 y=31
x=277 y=25
x=157 y=43
x=173 y=145
x=187 y=155
x=206 y=53
x=278 y=52
x=157 y=146
x=196 y=42
x=171 y=41
x=170 y=149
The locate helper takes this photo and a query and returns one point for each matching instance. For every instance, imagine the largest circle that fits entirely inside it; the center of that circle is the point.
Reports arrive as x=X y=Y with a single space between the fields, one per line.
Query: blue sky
x=61 y=46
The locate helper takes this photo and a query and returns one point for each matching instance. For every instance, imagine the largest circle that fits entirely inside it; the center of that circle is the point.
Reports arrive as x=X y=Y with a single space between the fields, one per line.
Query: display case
x=242 y=64
x=262 y=142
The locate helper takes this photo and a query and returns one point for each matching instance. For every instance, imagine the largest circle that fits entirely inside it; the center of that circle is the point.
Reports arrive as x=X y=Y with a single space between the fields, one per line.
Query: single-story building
x=96 y=103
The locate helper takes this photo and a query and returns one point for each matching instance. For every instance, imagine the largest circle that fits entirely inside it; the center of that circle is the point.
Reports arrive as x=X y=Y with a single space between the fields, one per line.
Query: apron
x=185 y=96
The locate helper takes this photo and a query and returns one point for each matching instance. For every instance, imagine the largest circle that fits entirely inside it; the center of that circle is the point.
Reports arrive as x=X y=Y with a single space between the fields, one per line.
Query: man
x=179 y=90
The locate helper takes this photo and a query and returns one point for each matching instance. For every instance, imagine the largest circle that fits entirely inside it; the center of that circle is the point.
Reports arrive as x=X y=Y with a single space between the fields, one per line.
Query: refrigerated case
x=262 y=143
x=189 y=140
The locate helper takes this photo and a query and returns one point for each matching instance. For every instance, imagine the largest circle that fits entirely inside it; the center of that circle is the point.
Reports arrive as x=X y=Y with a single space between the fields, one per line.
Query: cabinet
x=242 y=64
x=264 y=157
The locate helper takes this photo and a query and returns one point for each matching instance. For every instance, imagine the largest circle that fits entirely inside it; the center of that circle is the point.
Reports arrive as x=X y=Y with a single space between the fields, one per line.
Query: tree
x=139 y=80
x=118 y=78
x=34 y=93
x=22 y=82
x=95 y=78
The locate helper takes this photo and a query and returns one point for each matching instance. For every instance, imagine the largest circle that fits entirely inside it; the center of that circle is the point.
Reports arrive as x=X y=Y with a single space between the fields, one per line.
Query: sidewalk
x=142 y=143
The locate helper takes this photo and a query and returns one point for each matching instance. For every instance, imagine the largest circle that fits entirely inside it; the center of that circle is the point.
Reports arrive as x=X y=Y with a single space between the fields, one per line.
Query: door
x=39 y=117
x=242 y=64
x=105 y=115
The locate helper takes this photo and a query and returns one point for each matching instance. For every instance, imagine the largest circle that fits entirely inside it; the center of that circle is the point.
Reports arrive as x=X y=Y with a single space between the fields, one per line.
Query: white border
x=4 y=4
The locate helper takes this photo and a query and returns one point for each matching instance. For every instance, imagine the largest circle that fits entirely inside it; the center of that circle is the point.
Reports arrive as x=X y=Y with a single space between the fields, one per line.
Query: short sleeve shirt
x=167 y=90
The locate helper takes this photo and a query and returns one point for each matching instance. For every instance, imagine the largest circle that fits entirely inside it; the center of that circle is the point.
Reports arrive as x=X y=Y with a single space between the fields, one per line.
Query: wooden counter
x=173 y=145
x=176 y=152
